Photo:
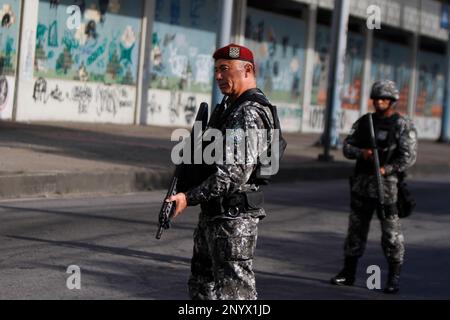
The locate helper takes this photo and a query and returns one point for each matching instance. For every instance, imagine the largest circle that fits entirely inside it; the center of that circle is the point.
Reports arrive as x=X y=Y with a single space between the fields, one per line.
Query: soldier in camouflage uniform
x=396 y=139
x=230 y=197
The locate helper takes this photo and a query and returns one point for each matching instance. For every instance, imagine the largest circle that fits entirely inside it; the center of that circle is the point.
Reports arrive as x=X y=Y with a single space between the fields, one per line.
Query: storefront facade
x=149 y=62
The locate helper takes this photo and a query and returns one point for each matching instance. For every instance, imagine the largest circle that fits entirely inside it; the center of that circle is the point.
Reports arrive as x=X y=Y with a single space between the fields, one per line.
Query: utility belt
x=236 y=205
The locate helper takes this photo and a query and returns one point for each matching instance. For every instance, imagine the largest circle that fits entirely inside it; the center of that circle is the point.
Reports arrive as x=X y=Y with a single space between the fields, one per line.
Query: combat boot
x=393 y=283
x=347 y=275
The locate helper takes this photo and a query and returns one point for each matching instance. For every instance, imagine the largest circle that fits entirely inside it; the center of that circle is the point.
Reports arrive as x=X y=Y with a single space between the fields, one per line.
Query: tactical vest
x=256 y=95
x=241 y=202
x=385 y=135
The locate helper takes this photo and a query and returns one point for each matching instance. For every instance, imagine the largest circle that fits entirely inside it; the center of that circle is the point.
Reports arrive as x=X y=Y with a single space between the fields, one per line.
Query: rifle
x=376 y=161
x=168 y=208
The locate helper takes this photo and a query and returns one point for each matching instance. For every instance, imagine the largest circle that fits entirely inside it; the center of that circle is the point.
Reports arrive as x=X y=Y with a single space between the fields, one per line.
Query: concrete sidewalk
x=48 y=159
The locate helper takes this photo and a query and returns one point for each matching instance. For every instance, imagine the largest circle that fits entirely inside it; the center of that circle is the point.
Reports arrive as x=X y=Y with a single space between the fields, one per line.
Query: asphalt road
x=111 y=239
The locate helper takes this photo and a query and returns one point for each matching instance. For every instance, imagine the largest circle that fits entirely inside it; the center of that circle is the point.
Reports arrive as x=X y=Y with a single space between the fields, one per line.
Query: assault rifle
x=168 y=208
x=376 y=161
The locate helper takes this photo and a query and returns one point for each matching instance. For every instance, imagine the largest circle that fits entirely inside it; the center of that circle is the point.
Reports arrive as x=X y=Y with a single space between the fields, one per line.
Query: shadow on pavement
x=106 y=249
x=146 y=152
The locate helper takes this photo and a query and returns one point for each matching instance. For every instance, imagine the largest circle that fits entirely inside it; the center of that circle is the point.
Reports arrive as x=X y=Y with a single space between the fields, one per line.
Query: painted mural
x=314 y=118
x=392 y=61
x=184 y=39
x=86 y=73
x=321 y=63
x=278 y=43
x=354 y=58
x=430 y=93
x=9 y=35
x=431 y=85
x=9 y=31
x=104 y=48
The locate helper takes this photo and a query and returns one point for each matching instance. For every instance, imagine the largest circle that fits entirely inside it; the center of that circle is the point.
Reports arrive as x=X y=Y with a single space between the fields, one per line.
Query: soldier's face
x=229 y=75
x=381 y=105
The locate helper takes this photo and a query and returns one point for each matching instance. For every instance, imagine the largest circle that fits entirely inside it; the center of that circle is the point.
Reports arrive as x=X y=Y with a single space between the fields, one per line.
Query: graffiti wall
x=314 y=117
x=430 y=94
x=105 y=48
x=278 y=43
x=392 y=62
x=354 y=60
x=86 y=73
x=81 y=101
x=9 y=35
x=184 y=39
x=321 y=64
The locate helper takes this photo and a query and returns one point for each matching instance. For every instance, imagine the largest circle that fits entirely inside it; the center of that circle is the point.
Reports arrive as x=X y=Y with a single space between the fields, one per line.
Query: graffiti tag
x=83 y=95
x=4 y=88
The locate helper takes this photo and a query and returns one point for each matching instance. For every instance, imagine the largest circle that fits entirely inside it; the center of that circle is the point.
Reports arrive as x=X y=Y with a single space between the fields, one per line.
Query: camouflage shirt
x=234 y=177
x=403 y=155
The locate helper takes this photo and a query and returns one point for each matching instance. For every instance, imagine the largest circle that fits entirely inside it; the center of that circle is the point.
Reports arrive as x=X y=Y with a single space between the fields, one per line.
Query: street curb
x=15 y=186
x=120 y=182
x=116 y=182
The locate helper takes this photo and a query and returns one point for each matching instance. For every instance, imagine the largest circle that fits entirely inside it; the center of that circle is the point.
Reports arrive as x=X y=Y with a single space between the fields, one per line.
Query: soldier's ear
x=249 y=69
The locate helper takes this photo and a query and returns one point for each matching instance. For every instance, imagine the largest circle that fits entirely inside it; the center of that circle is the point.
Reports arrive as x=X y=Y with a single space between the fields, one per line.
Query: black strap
x=391 y=134
x=217 y=114
x=258 y=96
x=248 y=95
x=391 y=138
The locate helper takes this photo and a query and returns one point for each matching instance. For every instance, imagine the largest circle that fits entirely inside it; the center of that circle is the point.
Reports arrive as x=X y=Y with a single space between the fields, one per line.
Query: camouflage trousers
x=222 y=262
x=392 y=240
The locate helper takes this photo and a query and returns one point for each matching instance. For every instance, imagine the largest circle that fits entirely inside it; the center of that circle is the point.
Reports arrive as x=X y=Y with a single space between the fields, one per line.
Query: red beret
x=234 y=52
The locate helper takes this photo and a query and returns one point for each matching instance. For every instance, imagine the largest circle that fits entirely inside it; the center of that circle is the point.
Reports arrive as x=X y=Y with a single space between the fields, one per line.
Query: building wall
x=89 y=73
x=389 y=60
x=314 y=114
x=423 y=16
x=392 y=61
x=430 y=94
x=184 y=39
x=278 y=43
x=9 y=42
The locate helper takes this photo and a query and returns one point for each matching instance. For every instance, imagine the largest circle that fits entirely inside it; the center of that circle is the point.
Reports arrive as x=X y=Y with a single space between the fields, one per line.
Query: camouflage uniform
x=224 y=242
x=364 y=183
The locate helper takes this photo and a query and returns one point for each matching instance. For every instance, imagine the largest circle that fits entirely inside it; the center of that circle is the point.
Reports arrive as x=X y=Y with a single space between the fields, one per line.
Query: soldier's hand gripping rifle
x=376 y=161
x=168 y=208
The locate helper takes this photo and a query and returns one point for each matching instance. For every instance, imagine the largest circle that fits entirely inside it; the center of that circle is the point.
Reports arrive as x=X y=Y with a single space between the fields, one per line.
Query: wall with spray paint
x=354 y=60
x=9 y=34
x=90 y=74
x=278 y=43
x=104 y=49
x=430 y=94
x=314 y=115
x=184 y=39
x=321 y=67
x=87 y=73
x=391 y=61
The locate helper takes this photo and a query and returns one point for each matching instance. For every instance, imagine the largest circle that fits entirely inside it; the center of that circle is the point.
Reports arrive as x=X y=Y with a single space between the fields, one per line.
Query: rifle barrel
x=376 y=160
x=167 y=209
